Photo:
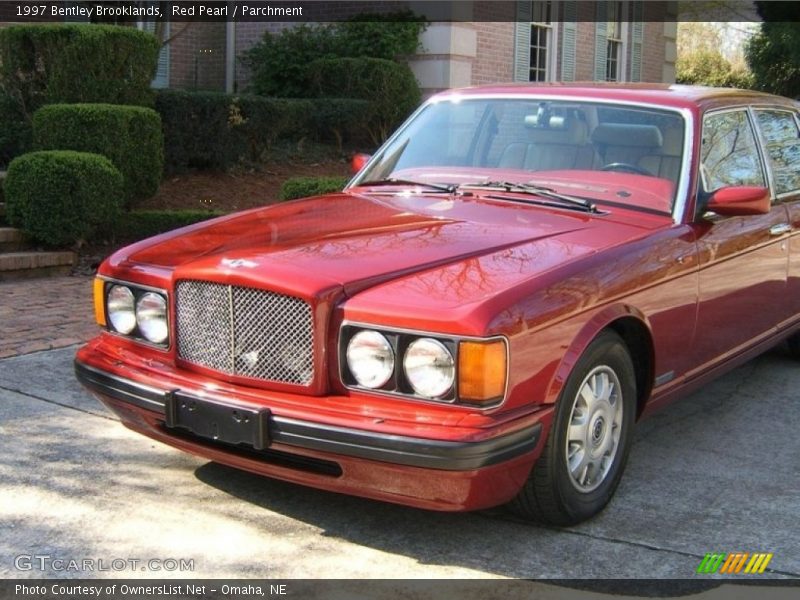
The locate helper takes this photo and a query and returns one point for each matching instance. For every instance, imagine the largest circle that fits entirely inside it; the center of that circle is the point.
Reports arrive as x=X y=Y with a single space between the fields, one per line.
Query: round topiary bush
x=130 y=136
x=61 y=197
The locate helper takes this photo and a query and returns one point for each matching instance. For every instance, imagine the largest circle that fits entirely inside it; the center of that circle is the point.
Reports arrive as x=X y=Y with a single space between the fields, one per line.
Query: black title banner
x=387 y=589
x=301 y=11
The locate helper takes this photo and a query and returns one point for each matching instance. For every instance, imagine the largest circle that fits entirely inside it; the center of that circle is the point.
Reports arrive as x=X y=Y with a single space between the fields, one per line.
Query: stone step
x=24 y=265
x=12 y=240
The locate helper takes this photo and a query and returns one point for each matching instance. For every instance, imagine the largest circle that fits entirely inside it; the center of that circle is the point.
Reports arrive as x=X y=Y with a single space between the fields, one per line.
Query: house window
x=541 y=40
x=614 y=43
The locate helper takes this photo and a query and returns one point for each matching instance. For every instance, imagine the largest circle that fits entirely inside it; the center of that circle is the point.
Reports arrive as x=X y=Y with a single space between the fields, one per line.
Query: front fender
x=602 y=319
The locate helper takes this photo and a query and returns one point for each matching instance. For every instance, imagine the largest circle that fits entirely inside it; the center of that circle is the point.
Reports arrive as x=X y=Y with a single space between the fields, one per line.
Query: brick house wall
x=197 y=56
x=494 y=59
x=585 y=42
x=454 y=54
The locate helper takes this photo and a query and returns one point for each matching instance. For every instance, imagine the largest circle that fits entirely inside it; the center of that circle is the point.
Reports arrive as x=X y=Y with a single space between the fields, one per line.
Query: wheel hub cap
x=595 y=424
x=598 y=430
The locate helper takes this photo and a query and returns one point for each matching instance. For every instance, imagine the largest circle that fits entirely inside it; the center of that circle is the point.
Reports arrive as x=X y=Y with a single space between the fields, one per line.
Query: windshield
x=616 y=153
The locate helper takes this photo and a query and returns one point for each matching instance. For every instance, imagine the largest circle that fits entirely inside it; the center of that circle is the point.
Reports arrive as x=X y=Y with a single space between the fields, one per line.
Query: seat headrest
x=673 y=141
x=573 y=132
x=624 y=134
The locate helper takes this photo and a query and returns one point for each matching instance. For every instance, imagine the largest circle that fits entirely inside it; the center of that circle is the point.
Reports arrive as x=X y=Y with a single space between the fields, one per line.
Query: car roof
x=674 y=95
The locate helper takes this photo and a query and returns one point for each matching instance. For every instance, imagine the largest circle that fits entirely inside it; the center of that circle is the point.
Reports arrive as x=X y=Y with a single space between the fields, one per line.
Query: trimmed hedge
x=197 y=131
x=141 y=224
x=216 y=130
x=267 y=120
x=340 y=119
x=15 y=130
x=61 y=197
x=42 y=64
x=302 y=187
x=389 y=87
x=130 y=136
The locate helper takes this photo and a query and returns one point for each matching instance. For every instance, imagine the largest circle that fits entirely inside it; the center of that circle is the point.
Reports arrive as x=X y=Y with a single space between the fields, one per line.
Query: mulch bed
x=236 y=190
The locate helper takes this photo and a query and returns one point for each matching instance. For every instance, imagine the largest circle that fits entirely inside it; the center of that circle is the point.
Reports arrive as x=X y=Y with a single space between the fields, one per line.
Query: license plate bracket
x=216 y=421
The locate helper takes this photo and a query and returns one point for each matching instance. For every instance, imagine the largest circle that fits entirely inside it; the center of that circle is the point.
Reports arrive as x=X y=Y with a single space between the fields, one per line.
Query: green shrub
x=279 y=62
x=140 y=224
x=709 y=67
x=130 y=136
x=43 y=64
x=268 y=119
x=389 y=35
x=302 y=187
x=197 y=131
x=389 y=87
x=61 y=197
x=773 y=53
x=15 y=130
x=340 y=119
x=216 y=130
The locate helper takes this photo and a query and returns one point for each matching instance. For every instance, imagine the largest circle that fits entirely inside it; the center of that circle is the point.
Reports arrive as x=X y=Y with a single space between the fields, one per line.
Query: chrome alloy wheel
x=595 y=424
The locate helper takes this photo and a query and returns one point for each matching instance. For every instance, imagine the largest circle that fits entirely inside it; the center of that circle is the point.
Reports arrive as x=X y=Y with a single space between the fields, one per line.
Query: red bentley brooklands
x=516 y=277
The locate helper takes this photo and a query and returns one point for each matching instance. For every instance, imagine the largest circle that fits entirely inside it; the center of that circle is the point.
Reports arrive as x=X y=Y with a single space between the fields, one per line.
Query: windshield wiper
x=535 y=190
x=439 y=187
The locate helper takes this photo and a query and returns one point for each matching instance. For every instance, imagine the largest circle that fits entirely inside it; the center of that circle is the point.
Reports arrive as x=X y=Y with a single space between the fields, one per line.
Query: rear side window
x=782 y=139
x=729 y=155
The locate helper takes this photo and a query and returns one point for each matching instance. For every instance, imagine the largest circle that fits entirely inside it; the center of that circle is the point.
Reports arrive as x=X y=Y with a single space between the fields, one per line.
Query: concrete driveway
x=717 y=472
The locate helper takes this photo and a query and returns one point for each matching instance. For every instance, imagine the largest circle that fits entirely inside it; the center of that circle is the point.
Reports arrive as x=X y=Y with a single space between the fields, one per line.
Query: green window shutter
x=569 y=32
x=600 y=42
x=522 y=42
x=161 y=79
x=637 y=39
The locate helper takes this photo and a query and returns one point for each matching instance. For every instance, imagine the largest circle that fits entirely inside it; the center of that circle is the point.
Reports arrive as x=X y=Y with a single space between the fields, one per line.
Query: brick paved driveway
x=42 y=314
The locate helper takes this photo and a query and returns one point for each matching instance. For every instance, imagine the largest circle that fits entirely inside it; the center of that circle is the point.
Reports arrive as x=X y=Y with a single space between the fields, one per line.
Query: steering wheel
x=626 y=168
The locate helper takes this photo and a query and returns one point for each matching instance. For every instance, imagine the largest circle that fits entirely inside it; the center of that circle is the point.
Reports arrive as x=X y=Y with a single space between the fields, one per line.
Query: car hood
x=354 y=240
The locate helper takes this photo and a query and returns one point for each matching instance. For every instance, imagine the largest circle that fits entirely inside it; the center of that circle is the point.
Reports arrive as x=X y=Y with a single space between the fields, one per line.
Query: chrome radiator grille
x=245 y=331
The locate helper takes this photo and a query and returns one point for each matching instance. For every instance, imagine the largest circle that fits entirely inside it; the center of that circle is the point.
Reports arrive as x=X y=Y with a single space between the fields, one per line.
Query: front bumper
x=422 y=472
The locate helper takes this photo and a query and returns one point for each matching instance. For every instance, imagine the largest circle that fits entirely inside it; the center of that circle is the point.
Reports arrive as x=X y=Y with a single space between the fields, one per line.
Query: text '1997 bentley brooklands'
x=508 y=284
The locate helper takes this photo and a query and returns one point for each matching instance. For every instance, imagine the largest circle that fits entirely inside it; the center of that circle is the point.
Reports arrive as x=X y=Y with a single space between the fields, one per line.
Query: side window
x=729 y=154
x=782 y=140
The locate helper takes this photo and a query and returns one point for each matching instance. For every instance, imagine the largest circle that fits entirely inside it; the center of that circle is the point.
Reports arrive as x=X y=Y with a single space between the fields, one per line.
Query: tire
x=581 y=466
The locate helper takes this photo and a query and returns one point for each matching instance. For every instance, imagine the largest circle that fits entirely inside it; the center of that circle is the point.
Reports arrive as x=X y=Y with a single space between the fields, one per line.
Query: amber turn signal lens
x=481 y=371
x=99 y=302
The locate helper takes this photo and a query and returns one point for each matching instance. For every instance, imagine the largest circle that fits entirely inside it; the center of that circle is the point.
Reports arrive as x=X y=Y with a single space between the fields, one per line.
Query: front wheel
x=585 y=454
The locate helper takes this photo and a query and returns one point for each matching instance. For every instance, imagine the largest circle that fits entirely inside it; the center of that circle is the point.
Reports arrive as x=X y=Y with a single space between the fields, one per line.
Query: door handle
x=780 y=229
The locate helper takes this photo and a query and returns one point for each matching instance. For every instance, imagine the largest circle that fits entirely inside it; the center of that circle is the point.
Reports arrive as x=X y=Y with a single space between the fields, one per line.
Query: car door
x=743 y=259
x=780 y=137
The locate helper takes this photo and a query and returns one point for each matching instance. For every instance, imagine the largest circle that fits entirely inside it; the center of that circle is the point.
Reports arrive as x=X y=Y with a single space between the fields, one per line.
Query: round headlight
x=119 y=304
x=370 y=359
x=151 y=316
x=429 y=367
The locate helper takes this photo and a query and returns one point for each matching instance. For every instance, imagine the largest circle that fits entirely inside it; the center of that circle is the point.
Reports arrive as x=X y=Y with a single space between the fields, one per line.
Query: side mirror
x=739 y=201
x=358 y=162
